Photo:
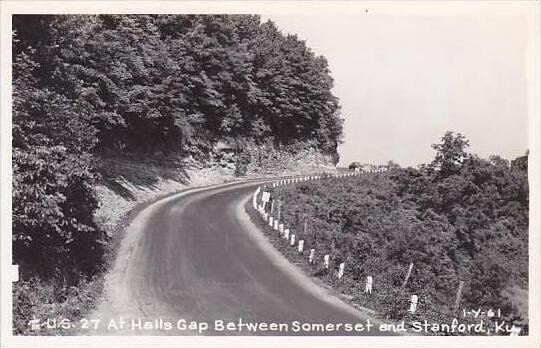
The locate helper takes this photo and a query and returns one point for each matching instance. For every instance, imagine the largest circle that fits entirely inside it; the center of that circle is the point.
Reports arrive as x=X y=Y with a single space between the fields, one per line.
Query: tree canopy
x=177 y=83
x=88 y=85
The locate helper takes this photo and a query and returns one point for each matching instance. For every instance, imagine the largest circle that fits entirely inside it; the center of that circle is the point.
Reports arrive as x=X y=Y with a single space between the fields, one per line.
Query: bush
x=456 y=219
x=39 y=299
x=53 y=204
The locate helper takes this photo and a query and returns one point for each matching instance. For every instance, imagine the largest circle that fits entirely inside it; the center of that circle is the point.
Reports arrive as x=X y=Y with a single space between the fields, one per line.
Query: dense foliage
x=86 y=85
x=459 y=218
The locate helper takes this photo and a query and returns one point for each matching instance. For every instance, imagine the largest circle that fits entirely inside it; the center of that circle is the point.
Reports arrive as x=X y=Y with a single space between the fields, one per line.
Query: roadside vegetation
x=458 y=218
x=94 y=91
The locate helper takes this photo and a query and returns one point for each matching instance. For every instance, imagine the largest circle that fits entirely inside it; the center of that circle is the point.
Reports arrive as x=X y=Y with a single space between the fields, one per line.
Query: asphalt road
x=199 y=258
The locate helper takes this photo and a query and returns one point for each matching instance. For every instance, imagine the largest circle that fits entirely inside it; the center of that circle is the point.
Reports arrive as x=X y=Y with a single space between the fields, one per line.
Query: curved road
x=198 y=257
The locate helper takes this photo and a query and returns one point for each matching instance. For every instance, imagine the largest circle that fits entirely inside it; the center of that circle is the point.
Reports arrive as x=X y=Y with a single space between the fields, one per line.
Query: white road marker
x=311 y=256
x=368 y=285
x=341 y=270
x=413 y=304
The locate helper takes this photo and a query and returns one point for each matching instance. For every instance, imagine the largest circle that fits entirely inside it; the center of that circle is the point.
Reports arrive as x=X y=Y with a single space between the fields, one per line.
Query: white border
x=528 y=9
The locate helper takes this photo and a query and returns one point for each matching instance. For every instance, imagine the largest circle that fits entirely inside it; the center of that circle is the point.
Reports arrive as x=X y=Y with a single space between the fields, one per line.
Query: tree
x=53 y=176
x=450 y=154
x=87 y=86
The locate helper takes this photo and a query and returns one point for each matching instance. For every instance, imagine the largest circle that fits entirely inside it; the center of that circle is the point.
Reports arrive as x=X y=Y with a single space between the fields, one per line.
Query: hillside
x=458 y=218
x=106 y=105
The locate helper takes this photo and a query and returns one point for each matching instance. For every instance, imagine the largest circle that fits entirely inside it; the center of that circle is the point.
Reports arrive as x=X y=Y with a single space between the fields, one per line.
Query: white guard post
x=311 y=256
x=271 y=219
x=413 y=304
x=326 y=261
x=368 y=285
x=292 y=240
x=286 y=233
x=265 y=196
x=301 y=246
x=256 y=193
x=341 y=270
x=281 y=228
x=276 y=224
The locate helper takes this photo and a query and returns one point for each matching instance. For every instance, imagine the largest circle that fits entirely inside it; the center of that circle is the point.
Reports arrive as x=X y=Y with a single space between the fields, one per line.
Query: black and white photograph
x=244 y=174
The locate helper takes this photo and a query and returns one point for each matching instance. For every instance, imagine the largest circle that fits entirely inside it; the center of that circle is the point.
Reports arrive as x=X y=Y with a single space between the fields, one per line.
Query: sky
x=403 y=81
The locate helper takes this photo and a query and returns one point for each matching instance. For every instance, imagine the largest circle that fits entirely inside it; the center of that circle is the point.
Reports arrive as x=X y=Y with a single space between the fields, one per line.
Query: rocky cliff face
x=288 y=160
x=129 y=182
x=269 y=159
